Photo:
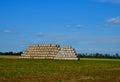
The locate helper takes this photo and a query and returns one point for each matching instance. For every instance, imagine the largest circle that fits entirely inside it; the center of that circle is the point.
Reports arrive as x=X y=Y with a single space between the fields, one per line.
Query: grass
x=35 y=70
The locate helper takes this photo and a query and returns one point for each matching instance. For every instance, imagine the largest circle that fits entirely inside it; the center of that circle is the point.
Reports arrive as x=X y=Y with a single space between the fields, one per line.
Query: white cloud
x=79 y=26
x=68 y=26
x=76 y=26
x=110 y=1
x=7 y=31
x=115 y=20
x=40 y=34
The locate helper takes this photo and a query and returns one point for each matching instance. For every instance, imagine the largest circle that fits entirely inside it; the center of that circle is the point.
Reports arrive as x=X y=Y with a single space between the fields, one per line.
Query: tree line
x=10 y=53
x=98 y=55
x=79 y=55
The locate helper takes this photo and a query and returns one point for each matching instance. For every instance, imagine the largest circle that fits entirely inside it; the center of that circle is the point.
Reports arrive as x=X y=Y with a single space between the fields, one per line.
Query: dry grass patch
x=9 y=56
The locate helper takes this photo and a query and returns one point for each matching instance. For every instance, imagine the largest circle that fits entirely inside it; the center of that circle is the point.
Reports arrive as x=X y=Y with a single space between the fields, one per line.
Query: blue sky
x=89 y=26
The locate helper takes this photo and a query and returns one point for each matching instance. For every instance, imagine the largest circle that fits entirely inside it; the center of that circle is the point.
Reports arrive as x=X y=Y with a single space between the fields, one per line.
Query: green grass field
x=36 y=70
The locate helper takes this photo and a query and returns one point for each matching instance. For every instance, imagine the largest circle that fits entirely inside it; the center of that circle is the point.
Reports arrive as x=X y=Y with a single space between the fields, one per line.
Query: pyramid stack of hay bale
x=49 y=51
x=67 y=53
x=41 y=51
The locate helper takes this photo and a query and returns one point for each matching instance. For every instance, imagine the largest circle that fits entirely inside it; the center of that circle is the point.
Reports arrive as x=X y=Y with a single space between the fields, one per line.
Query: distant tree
x=10 y=53
x=117 y=55
x=97 y=55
